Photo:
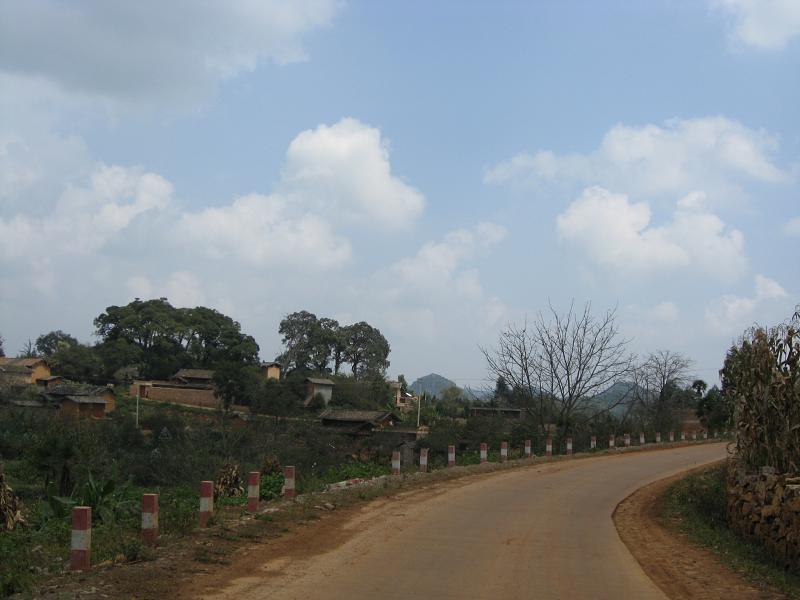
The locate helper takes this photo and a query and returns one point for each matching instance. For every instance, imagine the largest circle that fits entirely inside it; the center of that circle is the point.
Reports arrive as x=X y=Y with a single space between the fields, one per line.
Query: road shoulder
x=680 y=568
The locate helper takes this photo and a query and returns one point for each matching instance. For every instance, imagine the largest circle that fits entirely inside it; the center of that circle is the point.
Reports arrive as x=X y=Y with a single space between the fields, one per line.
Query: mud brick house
x=358 y=422
x=194 y=387
x=24 y=371
x=314 y=386
x=404 y=402
x=271 y=370
x=73 y=400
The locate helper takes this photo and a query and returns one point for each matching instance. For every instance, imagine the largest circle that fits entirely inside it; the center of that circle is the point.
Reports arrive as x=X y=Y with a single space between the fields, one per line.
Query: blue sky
x=437 y=169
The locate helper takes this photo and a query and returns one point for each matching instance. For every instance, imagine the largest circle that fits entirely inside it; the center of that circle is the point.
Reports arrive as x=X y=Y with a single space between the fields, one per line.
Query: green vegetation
x=696 y=506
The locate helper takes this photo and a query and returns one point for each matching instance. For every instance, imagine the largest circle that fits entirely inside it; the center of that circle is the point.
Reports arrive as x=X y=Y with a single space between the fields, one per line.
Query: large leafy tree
x=298 y=330
x=48 y=344
x=367 y=350
x=168 y=338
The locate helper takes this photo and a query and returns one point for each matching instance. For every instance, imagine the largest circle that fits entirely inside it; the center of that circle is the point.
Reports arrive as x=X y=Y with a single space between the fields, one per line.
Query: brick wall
x=193 y=396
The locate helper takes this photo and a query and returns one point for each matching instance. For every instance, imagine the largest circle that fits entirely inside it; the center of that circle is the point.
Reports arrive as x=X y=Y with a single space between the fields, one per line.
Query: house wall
x=272 y=372
x=192 y=396
x=312 y=389
x=40 y=371
x=74 y=409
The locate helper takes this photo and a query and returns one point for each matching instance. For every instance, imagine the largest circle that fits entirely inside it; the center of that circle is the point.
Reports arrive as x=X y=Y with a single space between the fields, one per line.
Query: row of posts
x=80 y=558
x=80 y=553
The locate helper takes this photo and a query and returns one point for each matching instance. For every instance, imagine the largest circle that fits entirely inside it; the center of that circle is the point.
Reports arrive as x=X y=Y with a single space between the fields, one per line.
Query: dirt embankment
x=679 y=567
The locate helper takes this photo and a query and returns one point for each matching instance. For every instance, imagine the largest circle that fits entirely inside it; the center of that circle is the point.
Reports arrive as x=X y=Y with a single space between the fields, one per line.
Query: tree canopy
x=323 y=345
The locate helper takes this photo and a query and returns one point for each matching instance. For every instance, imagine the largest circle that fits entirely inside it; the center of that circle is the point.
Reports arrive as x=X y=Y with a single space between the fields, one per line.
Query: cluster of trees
x=573 y=369
x=324 y=346
x=149 y=339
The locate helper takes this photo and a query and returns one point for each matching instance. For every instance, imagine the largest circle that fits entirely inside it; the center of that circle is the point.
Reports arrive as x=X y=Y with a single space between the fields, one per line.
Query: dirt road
x=543 y=532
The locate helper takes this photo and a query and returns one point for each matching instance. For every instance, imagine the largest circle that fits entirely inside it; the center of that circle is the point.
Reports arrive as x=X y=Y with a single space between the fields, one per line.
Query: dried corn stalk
x=229 y=482
x=10 y=507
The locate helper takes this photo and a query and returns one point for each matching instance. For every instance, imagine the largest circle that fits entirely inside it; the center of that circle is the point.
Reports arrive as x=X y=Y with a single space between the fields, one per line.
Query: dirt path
x=543 y=532
x=678 y=567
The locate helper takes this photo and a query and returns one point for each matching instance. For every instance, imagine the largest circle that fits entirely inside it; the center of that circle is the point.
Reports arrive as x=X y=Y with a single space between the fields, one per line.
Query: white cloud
x=731 y=314
x=147 y=51
x=763 y=24
x=262 y=231
x=343 y=170
x=617 y=234
x=680 y=156
x=792 y=227
x=436 y=268
x=85 y=218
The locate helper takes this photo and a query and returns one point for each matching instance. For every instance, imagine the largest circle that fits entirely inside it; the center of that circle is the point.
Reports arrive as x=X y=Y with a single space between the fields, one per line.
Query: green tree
x=28 y=350
x=299 y=330
x=48 y=344
x=2 y=352
x=236 y=382
x=78 y=362
x=367 y=350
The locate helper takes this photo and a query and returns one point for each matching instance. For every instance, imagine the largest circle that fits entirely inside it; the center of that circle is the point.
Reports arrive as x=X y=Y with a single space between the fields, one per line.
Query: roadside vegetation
x=696 y=507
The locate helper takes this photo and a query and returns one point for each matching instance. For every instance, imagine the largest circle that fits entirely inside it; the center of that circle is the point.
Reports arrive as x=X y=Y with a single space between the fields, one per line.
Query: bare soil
x=675 y=564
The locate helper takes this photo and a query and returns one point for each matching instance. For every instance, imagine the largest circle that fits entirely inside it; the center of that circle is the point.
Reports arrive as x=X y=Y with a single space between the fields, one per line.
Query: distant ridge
x=432 y=385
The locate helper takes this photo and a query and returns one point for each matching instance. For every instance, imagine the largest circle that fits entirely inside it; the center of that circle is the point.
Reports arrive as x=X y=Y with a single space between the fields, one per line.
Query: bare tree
x=562 y=363
x=659 y=381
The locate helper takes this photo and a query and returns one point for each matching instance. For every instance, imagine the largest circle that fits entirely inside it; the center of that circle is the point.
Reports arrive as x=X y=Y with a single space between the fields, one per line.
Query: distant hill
x=477 y=394
x=432 y=384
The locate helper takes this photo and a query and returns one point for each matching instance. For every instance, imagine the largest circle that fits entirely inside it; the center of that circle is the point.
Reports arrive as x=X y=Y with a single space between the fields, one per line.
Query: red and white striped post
x=641 y=438
x=395 y=462
x=253 y=491
x=627 y=440
x=593 y=442
x=658 y=437
x=206 y=501
x=484 y=456
x=683 y=436
x=716 y=434
x=423 y=460
x=288 y=481
x=503 y=451
x=150 y=519
x=694 y=436
x=671 y=436
x=569 y=445
x=611 y=440
x=705 y=434
x=527 y=448
x=80 y=551
x=548 y=446
x=451 y=456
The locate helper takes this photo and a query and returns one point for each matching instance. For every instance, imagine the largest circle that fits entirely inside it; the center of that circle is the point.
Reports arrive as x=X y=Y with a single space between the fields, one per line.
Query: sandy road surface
x=530 y=533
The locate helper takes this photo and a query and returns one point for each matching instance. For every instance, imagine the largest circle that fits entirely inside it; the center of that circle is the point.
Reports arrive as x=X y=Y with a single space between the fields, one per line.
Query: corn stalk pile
x=762 y=377
x=10 y=507
x=229 y=482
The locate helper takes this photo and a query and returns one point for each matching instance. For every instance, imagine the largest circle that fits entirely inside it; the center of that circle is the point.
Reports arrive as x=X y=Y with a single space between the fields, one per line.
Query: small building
x=321 y=387
x=403 y=401
x=23 y=371
x=73 y=400
x=497 y=411
x=194 y=377
x=358 y=422
x=271 y=370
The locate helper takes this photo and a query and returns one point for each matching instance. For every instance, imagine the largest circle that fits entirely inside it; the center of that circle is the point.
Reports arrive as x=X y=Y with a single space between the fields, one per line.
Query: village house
x=358 y=422
x=318 y=387
x=271 y=370
x=404 y=402
x=72 y=400
x=24 y=371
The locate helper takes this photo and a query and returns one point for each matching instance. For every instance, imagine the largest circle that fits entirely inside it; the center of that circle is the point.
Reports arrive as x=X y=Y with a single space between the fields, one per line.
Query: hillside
x=432 y=384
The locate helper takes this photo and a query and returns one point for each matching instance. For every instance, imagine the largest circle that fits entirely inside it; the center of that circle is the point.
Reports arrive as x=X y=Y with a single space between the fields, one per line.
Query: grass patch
x=696 y=506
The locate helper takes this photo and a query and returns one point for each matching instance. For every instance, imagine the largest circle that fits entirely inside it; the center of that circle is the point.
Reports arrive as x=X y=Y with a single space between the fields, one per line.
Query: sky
x=438 y=169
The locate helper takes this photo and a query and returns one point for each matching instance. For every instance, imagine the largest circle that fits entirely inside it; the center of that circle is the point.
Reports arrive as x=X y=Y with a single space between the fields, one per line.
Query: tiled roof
x=365 y=416
x=318 y=381
x=195 y=374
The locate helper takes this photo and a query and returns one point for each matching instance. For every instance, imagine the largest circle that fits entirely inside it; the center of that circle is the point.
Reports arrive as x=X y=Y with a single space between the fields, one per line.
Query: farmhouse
x=318 y=387
x=358 y=422
x=24 y=371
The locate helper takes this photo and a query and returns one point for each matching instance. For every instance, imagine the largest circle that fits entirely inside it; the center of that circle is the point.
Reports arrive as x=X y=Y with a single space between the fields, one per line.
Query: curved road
x=543 y=532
